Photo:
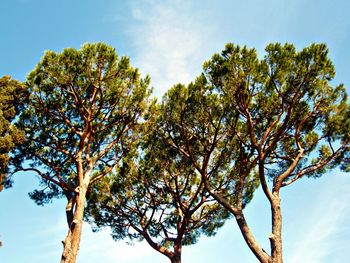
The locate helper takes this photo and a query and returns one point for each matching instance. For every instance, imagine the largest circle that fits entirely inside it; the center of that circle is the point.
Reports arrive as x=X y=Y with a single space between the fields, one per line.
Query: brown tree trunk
x=276 y=235
x=72 y=241
x=176 y=258
x=254 y=246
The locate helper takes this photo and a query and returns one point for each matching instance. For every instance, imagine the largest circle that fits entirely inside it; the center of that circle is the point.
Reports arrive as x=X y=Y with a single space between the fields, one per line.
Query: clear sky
x=169 y=40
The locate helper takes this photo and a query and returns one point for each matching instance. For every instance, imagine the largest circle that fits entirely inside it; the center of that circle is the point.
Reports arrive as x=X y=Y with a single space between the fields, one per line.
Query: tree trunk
x=72 y=240
x=276 y=235
x=176 y=258
x=250 y=240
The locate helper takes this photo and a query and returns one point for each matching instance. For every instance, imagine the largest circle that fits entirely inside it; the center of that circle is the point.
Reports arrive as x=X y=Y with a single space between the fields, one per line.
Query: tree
x=196 y=124
x=11 y=102
x=82 y=118
x=291 y=123
x=157 y=196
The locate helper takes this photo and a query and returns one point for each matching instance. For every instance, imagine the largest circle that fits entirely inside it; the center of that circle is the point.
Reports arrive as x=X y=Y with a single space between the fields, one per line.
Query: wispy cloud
x=171 y=40
x=328 y=220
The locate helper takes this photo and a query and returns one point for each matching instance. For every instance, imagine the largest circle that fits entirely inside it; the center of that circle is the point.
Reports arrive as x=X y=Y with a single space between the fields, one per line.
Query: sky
x=170 y=40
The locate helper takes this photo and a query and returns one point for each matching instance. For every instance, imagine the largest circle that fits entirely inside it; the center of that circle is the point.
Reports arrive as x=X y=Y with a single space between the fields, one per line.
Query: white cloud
x=328 y=220
x=171 y=40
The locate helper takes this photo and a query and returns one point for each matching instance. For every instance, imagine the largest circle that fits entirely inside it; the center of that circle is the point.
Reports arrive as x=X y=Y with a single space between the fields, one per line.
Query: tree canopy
x=81 y=119
x=11 y=102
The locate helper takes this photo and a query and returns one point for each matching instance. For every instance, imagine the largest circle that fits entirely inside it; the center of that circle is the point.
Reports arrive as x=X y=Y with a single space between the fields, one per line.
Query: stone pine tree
x=81 y=120
x=290 y=123
x=158 y=196
x=11 y=102
x=197 y=124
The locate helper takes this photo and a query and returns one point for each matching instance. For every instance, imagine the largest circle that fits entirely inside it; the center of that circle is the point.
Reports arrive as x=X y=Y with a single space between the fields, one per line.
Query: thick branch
x=249 y=238
x=310 y=169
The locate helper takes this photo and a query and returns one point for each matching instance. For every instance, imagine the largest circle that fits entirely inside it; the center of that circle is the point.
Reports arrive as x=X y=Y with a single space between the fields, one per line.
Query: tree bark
x=276 y=235
x=72 y=241
x=176 y=258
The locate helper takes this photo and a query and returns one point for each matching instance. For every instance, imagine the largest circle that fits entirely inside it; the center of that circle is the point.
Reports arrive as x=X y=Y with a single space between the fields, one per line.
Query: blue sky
x=169 y=40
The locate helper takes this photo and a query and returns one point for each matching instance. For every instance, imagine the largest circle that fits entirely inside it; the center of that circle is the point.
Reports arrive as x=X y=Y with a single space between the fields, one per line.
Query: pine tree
x=289 y=123
x=81 y=119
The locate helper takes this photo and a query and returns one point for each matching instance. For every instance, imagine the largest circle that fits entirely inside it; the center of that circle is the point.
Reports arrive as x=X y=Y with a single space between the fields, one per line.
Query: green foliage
x=198 y=125
x=82 y=117
x=11 y=102
x=158 y=196
x=286 y=106
x=243 y=121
